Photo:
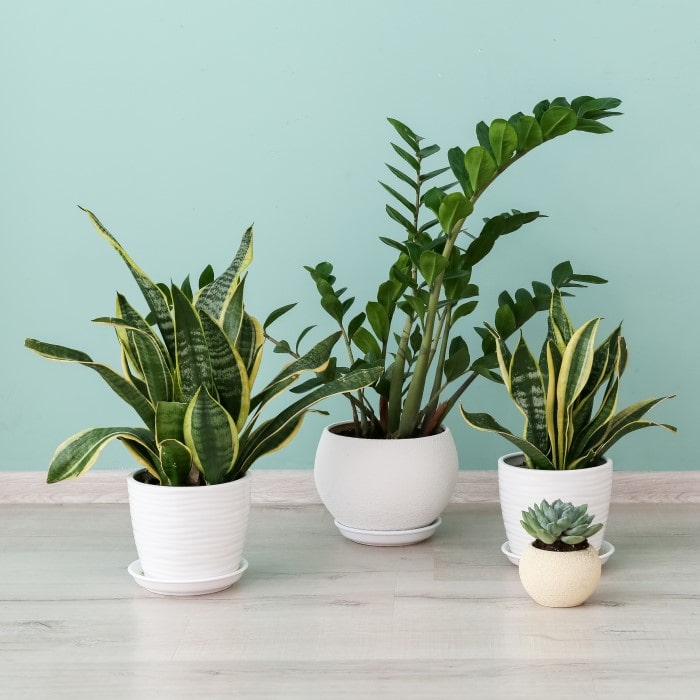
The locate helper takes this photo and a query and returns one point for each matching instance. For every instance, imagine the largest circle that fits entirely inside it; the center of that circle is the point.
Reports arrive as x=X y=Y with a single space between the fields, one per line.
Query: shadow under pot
x=385 y=492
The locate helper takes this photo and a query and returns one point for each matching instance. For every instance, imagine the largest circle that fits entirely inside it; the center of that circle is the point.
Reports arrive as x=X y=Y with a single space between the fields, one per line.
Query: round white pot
x=559 y=579
x=189 y=533
x=385 y=485
x=520 y=487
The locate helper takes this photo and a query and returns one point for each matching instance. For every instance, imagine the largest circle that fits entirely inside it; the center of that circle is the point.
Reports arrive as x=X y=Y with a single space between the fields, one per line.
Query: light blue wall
x=179 y=123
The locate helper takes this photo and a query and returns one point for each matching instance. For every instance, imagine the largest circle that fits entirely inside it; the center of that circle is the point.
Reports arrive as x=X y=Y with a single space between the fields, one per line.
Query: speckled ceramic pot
x=385 y=484
x=559 y=579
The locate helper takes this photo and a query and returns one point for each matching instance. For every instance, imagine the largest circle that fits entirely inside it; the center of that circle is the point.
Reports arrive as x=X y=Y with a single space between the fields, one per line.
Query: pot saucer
x=388 y=538
x=605 y=552
x=185 y=588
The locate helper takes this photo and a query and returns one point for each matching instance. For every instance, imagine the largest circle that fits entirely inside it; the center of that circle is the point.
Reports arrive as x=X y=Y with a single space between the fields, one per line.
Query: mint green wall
x=179 y=123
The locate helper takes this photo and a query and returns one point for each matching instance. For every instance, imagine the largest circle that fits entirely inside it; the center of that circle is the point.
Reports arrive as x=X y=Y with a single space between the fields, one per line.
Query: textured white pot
x=520 y=487
x=385 y=484
x=189 y=533
x=559 y=579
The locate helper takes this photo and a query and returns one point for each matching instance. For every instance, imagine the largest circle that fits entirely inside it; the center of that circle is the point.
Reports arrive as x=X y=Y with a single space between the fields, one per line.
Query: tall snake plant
x=191 y=383
x=569 y=396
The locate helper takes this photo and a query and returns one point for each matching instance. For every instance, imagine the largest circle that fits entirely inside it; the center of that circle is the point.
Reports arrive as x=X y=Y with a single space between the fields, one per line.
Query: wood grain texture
x=317 y=616
x=296 y=487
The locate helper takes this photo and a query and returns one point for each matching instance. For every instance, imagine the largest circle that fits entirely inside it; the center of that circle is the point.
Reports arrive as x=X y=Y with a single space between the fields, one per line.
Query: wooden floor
x=316 y=616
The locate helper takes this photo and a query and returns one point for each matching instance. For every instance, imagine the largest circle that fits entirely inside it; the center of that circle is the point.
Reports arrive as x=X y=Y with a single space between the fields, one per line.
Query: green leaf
x=276 y=432
x=405 y=133
x=433 y=199
x=175 y=462
x=154 y=367
x=277 y=313
x=356 y=322
x=154 y=297
x=431 y=265
x=403 y=177
x=463 y=310
x=315 y=360
x=378 y=319
x=458 y=359
x=528 y=392
x=400 y=198
x=207 y=276
x=453 y=210
x=232 y=315
x=503 y=139
x=400 y=218
x=249 y=345
x=562 y=274
x=121 y=387
x=228 y=370
x=529 y=133
x=455 y=157
x=79 y=452
x=584 y=106
x=557 y=121
x=484 y=422
x=592 y=126
x=429 y=151
x=333 y=306
x=505 y=321
x=211 y=437
x=407 y=157
x=216 y=296
x=170 y=419
x=367 y=343
x=480 y=167
x=193 y=361
x=134 y=319
x=301 y=337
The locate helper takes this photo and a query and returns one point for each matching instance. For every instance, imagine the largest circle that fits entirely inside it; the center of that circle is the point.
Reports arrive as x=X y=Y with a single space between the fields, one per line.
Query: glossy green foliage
x=414 y=327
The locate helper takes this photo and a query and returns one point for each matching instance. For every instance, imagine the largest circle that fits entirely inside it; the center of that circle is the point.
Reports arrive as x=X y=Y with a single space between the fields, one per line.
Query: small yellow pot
x=559 y=579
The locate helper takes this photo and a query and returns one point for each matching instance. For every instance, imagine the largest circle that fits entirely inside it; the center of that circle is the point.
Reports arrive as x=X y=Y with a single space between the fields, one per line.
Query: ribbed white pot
x=520 y=487
x=559 y=579
x=385 y=484
x=189 y=533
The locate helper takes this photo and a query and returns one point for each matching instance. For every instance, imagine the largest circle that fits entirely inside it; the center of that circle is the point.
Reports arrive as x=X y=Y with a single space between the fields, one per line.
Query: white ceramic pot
x=385 y=485
x=520 y=487
x=559 y=579
x=189 y=533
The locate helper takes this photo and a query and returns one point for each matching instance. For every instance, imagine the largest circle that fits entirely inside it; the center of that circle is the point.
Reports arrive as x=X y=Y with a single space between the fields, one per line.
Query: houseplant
x=190 y=379
x=568 y=398
x=560 y=568
x=413 y=330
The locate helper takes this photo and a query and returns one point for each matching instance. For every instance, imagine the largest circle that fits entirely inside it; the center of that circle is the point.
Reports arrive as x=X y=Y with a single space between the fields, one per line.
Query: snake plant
x=559 y=523
x=413 y=327
x=191 y=380
x=569 y=396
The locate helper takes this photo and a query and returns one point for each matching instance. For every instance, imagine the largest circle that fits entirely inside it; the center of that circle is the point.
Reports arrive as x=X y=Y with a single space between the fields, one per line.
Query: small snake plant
x=566 y=426
x=559 y=522
x=191 y=383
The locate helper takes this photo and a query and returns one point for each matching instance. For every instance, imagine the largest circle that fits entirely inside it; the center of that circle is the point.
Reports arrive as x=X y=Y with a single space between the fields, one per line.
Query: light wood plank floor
x=316 y=616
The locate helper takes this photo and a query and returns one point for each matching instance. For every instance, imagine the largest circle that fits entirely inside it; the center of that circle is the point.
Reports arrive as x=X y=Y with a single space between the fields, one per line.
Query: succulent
x=559 y=522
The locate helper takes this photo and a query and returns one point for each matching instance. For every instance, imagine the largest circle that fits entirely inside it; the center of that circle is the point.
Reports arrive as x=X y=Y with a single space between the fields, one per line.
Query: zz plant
x=412 y=329
x=568 y=396
x=191 y=380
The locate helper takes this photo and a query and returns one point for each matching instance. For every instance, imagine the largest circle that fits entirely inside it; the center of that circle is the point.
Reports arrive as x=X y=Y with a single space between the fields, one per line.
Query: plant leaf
x=211 y=437
x=503 y=139
x=480 y=167
x=79 y=452
x=121 y=387
x=484 y=422
x=557 y=121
